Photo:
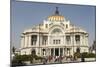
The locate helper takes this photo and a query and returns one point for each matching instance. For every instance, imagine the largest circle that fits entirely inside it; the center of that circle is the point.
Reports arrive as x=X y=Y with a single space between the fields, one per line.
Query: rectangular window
x=53 y=41
x=44 y=40
x=52 y=51
x=68 y=39
x=33 y=39
x=77 y=39
x=61 y=51
x=59 y=41
x=66 y=26
x=56 y=41
x=46 y=26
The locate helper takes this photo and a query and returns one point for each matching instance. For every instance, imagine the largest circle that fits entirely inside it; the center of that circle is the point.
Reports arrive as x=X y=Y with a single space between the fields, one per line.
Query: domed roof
x=56 y=16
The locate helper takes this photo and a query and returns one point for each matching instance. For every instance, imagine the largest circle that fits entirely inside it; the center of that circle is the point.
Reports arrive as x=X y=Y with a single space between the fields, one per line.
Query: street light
x=73 y=39
x=39 y=40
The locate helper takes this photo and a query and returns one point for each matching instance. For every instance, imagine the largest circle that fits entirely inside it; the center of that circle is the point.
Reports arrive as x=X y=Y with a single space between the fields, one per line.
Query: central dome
x=56 y=16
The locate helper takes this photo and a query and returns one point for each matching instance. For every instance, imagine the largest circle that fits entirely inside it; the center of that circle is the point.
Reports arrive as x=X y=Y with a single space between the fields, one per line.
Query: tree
x=78 y=50
x=94 y=45
x=13 y=50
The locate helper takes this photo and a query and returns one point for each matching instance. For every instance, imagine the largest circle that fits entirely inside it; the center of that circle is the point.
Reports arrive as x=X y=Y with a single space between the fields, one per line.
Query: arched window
x=77 y=38
x=68 y=40
x=56 y=31
x=33 y=39
x=66 y=26
x=46 y=25
x=33 y=52
x=44 y=52
x=78 y=50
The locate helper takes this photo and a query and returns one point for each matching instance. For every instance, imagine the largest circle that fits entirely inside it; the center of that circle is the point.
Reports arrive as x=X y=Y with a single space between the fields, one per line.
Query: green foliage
x=77 y=54
x=39 y=58
x=23 y=58
x=88 y=55
x=85 y=55
x=13 y=49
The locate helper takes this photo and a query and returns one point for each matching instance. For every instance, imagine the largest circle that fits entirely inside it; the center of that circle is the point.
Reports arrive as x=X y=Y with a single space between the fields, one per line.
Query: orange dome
x=56 y=18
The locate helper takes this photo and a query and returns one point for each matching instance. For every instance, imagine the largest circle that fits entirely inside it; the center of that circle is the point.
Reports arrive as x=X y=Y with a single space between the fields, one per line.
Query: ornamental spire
x=57 y=12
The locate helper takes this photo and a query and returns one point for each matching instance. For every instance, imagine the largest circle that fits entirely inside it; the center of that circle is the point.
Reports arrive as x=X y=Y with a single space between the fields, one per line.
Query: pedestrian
x=82 y=58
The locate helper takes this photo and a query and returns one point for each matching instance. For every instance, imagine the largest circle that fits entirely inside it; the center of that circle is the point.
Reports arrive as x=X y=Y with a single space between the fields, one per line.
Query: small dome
x=56 y=16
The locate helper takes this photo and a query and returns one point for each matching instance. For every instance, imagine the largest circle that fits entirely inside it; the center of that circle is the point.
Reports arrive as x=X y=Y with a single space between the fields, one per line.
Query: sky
x=25 y=15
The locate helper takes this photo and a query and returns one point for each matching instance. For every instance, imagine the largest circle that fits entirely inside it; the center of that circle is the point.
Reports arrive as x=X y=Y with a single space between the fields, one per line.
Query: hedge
x=85 y=55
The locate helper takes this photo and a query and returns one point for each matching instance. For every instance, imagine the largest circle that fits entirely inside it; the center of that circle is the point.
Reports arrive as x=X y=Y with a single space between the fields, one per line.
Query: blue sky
x=26 y=14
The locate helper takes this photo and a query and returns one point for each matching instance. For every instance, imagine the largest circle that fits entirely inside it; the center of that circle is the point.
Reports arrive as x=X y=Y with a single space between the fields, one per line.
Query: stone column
x=59 y=51
x=29 y=41
x=54 y=51
x=64 y=39
x=46 y=50
x=50 y=51
x=81 y=40
x=71 y=40
x=86 y=40
x=41 y=52
x=37 y=43
x=73 y=44
x=63 y=52
x=22 y=41
x=40 y=38
x=25 y=41
x=48 y=39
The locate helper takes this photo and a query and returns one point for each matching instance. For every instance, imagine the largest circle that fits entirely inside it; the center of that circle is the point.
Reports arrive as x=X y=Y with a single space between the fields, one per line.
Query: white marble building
x=56 y=36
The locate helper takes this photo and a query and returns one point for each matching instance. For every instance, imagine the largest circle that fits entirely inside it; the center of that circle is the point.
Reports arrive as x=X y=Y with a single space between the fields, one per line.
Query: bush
x=22 y=58
x=85 y=55
x=88 y=55
x=39 y=58
x=77 y=54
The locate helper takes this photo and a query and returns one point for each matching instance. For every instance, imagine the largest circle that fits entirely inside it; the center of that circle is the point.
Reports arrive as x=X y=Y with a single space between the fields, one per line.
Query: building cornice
x=52 y=47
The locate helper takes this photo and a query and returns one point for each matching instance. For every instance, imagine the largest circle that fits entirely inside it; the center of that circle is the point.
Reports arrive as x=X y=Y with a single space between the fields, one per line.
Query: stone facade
x=56 y=36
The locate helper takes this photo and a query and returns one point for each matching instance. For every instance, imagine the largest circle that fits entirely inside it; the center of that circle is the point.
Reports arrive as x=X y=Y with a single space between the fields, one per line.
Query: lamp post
x=73 y=40
x=39 y=40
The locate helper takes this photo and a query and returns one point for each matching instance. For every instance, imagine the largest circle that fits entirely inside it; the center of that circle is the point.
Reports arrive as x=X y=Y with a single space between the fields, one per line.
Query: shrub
x=77 y=54
x=22 y=58
x=85 y=55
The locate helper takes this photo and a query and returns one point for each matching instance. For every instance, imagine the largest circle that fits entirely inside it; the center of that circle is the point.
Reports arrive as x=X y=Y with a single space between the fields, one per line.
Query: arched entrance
x=56 y=38
x=56 y=51
x=33 y=52
x=78 y=50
